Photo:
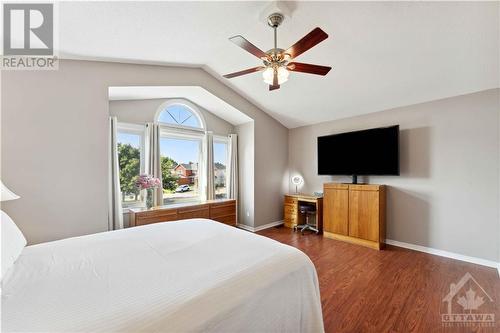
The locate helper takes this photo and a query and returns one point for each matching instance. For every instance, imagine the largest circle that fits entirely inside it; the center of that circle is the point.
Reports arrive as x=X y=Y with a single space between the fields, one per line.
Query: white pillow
x=13 y=242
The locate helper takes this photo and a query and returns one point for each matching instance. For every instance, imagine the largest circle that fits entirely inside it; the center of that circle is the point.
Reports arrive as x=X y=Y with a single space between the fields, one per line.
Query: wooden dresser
x=223 y=211
x=355 y=213
x=291 y=215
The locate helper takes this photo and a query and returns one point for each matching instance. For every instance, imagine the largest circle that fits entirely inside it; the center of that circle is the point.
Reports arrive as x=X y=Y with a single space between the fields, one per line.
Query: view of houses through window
x=180 y=159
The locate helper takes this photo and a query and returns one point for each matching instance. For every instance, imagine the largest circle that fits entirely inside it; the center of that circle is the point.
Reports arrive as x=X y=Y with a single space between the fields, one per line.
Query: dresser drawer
x=155 y=217
x=192 y=212
x=228 y=219
x=290 y=200
x=222 y=209
x=336 y=186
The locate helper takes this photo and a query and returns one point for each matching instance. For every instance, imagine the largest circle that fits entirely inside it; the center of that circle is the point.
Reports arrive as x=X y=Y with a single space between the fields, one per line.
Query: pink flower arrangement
x=145 y=182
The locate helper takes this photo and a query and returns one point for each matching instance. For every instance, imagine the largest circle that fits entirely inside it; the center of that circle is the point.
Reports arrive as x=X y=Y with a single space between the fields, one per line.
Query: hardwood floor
x=394 y=290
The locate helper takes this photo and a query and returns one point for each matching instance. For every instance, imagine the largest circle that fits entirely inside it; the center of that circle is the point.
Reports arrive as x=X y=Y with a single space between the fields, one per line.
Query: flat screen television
x=369 y=152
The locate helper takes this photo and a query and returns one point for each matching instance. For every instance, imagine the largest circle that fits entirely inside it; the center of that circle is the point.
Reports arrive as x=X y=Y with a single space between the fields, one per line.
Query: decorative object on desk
x=297 y=180
x=6 y=194
x=148 y=183
x=318 y=194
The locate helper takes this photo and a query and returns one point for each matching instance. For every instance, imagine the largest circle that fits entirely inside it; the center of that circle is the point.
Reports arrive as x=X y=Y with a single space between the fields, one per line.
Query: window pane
x=129 y=156
x=179 y=115
x=180 y=159
x=220 y=167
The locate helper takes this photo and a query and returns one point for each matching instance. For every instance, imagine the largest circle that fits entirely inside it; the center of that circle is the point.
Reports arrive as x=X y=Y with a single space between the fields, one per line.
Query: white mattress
x=187 y=276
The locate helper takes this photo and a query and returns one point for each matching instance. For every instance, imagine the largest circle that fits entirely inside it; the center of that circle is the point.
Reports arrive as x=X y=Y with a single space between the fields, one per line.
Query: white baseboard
x=261 y=227
x=446 y=254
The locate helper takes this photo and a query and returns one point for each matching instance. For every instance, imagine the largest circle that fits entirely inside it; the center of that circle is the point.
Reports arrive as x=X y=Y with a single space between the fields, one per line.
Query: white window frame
x=172 y=132
x=134 y=129
x=185 y=103
x=223 y=139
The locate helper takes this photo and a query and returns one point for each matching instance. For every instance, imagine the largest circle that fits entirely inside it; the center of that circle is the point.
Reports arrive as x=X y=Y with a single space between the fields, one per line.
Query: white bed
x=186 y=276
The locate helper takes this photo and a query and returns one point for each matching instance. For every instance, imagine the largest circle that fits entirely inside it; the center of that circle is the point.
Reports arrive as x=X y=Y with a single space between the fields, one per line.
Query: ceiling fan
x=277 y=62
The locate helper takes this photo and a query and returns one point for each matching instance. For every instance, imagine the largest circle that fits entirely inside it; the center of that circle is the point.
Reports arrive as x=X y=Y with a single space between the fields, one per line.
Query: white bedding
x=187 y=276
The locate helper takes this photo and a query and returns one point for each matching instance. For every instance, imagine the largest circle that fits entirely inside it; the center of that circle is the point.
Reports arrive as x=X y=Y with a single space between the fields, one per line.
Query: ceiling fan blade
x=249 y=47
x=308 y=41
x=243 y=72
x=273 y=87
x=308 y=68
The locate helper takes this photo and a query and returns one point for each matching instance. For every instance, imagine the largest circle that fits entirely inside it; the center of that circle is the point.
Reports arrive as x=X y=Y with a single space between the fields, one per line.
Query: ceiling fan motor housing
x=275 y=19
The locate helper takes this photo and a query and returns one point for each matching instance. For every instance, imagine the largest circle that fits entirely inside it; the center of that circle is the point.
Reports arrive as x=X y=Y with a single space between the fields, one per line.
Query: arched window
x=180 y=114
x=182 y=131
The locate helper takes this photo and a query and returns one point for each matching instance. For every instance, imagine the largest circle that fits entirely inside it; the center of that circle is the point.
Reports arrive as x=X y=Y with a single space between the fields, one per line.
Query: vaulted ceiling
x=383 y=55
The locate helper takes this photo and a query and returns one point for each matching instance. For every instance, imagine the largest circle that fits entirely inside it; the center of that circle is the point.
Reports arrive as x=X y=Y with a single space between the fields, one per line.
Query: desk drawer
x=290 y=210
x=290 y=200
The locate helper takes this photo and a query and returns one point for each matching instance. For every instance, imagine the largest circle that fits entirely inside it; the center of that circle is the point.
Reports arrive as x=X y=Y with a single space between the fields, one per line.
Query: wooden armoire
x=355 y=213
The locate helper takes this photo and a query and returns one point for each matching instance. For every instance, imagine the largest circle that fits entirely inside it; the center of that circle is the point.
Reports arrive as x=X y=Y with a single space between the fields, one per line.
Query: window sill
x=126 y=210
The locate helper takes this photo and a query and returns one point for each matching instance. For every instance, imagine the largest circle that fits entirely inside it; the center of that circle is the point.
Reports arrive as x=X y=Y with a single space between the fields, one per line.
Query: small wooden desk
x=291 y=209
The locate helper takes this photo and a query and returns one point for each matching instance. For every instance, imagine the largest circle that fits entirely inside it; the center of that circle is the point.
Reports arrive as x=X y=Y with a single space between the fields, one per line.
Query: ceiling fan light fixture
x=277 y=61
x=268 y=75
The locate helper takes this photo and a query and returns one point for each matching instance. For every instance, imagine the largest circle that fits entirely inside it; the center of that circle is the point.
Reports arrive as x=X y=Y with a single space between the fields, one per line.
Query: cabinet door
x=336 y=210
x=364 y=214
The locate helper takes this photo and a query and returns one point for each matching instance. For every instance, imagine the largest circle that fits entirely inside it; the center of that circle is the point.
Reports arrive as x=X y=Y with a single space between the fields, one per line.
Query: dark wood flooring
x=394 y=290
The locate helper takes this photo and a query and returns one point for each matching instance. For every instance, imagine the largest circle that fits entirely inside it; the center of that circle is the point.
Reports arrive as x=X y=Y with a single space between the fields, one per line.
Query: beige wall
x=246 y=169
x=447 y=195
x=142 y=111
x=54 y=143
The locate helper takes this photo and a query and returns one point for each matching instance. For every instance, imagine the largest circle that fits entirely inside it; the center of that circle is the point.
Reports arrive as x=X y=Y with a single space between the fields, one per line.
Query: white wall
x=142 y=111
x=447 y=196
x=54 y=135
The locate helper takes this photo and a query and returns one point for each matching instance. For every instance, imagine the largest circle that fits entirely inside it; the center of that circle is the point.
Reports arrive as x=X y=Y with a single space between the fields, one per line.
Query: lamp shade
x=6 y=194
x=297 y=180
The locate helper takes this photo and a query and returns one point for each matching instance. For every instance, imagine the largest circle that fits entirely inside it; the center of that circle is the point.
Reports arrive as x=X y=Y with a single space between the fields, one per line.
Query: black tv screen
x=368 y=152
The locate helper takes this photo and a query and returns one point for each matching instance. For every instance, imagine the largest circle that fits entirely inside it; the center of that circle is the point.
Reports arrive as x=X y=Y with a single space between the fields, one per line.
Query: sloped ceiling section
x=384 y=55
x=197 y=95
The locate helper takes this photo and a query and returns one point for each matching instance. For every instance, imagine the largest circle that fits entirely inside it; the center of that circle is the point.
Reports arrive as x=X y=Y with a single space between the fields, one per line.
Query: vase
x=149 y=198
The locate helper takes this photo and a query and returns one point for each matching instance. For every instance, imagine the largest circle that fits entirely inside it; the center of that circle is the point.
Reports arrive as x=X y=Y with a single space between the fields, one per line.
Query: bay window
x=183 y=156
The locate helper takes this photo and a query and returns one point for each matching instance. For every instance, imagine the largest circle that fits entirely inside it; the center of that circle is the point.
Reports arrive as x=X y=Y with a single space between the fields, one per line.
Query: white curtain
x=152 y=165
x=209 y=167
x=232 y=174
x=115 y=213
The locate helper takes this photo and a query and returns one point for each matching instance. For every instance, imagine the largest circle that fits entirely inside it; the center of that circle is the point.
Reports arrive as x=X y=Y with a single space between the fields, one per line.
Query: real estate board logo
x=468 y=305
x=28 y=36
